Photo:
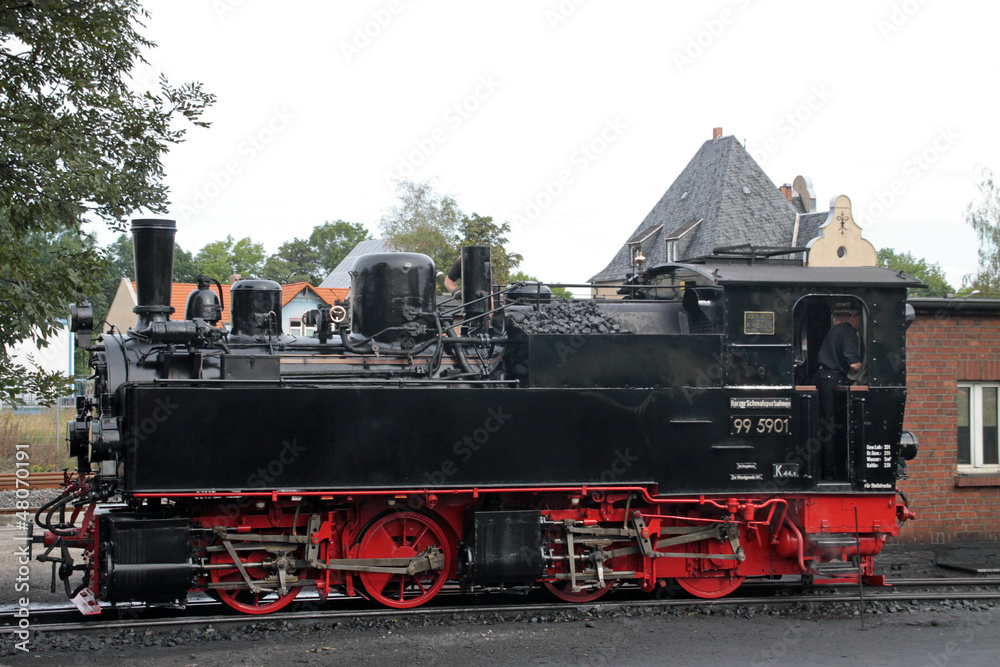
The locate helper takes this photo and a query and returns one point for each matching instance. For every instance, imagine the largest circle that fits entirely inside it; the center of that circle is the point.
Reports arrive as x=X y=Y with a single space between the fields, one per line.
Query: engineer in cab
x=839 y=358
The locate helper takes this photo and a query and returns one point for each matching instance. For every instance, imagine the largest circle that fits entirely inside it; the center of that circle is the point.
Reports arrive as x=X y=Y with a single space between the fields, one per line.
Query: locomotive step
x=835 y=567
x=843 y=540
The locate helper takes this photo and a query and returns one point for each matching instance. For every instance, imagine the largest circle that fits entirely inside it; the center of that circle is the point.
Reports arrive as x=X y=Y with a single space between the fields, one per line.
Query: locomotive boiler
x=504 y=442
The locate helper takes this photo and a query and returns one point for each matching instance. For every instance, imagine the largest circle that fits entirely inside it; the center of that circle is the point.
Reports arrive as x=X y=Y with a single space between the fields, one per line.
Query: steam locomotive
x=670 y=434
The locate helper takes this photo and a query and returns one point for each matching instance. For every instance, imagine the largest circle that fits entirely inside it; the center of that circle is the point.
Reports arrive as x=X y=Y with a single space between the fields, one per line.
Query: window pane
x=990 y=425
x=964 y=446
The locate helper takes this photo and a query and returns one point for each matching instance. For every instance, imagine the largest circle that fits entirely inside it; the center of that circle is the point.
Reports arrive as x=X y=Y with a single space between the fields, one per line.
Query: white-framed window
x=672 y=245
x=297 y=328
x=978 y=416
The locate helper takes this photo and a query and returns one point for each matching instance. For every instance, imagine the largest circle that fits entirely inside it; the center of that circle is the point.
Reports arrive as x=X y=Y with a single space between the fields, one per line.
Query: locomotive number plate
x=759 y=425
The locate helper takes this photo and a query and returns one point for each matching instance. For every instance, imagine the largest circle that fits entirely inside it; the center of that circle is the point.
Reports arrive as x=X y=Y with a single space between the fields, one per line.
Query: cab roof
x=787 y=273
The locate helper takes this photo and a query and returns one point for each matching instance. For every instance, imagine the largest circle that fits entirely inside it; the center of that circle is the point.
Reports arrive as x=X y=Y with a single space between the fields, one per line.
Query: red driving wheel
x=710 y=586
x=561 y=590
x=404 y=535
x=242 y=599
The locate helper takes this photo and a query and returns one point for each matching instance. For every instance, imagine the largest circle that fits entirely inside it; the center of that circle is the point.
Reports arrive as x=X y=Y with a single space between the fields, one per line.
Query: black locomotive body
x=671 y=434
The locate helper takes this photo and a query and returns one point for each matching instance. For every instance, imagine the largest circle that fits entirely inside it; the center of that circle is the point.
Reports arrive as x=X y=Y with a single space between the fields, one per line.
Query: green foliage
x=185 y=270
x=331 y=242
x=65 y=261
x=476 y=229
x=221 y=259
x=557 y=292
x=77 y=142
x=984 y=216
x=424 y=221
x=118 y=256
x=930 y=274
x=294 y=262
x=432 y=223
x=313 y=259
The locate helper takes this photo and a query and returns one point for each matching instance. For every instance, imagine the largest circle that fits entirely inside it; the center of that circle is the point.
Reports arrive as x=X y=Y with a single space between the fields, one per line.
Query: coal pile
x=566 y=316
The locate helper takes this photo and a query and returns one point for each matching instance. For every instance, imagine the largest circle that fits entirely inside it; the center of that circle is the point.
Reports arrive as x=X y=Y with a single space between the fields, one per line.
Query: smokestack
x=153 y=248
x=477 y=282
x=716 y=132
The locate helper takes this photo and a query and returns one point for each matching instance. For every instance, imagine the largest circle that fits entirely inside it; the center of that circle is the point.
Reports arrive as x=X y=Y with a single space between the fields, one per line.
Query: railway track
x=205 y=613
x=35 y=480
x=6 y=511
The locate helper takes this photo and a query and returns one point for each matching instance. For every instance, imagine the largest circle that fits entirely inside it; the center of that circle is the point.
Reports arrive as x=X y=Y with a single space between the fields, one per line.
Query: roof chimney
x=786 y=190
x=716 y=132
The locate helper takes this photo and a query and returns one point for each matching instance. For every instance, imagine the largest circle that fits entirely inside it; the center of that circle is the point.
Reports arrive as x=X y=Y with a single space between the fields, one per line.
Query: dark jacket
x=840 y=348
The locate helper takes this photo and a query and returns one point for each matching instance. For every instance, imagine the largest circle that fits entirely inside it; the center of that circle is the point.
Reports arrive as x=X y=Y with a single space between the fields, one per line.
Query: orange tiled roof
x=327 y=294
x=179 y=294
x=331 y=294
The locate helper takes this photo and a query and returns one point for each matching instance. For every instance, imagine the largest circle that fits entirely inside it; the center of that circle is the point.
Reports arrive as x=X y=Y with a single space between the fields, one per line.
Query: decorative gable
x=840 y=242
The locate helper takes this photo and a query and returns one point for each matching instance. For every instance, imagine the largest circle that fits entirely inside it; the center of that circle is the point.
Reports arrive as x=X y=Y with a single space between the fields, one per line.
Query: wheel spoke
x=242 y=599
x=404 y=535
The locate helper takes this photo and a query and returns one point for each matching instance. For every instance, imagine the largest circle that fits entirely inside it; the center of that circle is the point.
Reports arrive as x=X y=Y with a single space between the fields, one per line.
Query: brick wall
x=944 y=347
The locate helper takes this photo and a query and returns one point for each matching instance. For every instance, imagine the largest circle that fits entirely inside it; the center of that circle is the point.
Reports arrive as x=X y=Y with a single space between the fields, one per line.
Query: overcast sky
x=321 y=104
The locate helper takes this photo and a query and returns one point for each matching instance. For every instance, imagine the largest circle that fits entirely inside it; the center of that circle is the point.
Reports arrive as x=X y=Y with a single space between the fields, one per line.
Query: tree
x=294 y=262
x=221 y=259
x=185 y=270
x=476 y=229
x=424 y=221
x=332 y=241
x=119 y=264
x=930 y=274
x=78 y=142
x=984 y=216
x=431 y=223
x=50 y=258
x=312 y=260
x=558 y=292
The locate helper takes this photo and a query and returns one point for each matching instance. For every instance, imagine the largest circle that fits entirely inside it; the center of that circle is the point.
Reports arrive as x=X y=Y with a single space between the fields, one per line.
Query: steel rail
x=493 y=609
x=13 y=510
x=34 y=480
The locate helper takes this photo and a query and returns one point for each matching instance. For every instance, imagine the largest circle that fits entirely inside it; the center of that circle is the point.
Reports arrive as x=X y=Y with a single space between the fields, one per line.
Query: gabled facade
x=298 y=299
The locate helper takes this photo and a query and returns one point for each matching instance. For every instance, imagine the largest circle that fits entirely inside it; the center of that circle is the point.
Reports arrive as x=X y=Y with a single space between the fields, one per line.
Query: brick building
x=953 y=384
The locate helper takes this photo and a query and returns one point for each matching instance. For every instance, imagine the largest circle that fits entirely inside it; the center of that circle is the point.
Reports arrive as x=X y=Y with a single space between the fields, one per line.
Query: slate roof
x=809 y=225
x=340 y=277
x=732 y=196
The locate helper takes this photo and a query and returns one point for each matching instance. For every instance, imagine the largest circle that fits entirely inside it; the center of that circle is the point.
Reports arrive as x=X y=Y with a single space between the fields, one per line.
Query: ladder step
x=834 y=541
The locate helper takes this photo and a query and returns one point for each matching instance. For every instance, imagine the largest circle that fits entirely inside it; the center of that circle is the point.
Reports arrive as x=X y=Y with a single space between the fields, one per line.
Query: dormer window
x=673 y=240
x=673 y=246
x=636 y=244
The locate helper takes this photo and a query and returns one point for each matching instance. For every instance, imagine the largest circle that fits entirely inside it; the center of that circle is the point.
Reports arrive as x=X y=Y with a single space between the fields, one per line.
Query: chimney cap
x=716 y=132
